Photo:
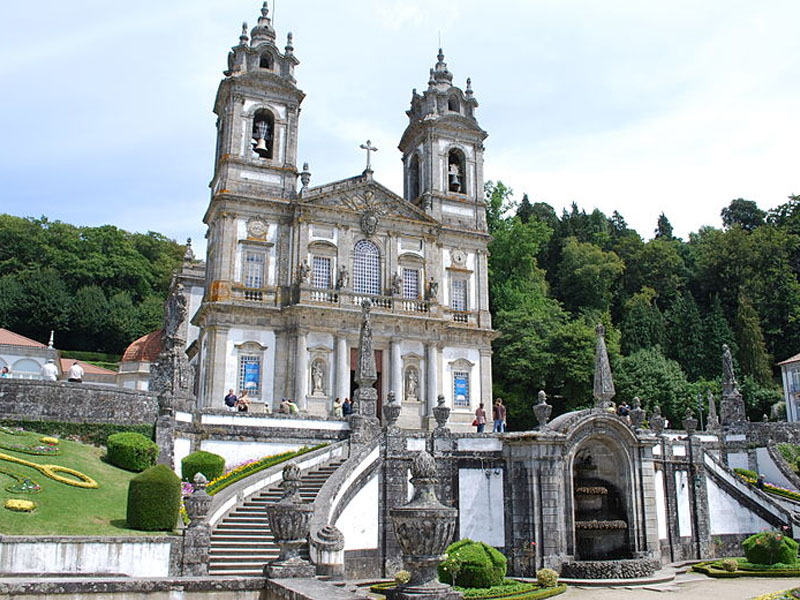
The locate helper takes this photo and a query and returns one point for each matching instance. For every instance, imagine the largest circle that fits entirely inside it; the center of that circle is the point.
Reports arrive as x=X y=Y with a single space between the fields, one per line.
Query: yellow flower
x=49 y=440
x=20 y=505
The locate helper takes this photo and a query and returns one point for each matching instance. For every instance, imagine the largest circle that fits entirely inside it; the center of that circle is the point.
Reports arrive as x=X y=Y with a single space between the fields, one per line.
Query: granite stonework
x=610 y=569
x=32 y=400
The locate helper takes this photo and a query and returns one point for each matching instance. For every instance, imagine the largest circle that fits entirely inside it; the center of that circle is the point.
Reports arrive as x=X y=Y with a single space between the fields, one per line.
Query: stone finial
x=603 y=382
x=289 y=43
x=441 y=413
x=198 y=502
x=51 y=342
x=305 y=177
x=656 y=420
x=424 y=528
x=689 y=422
x=468 y=91
x=391 y=411
x=263 y=31
x=188 y=255
x=243 y=37
x=713 y=417
x=542 y=410
x=637 y=414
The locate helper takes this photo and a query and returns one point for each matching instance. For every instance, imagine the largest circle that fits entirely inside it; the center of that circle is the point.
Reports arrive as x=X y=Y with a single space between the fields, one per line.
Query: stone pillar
x=397 y=383
x=301 y=371
x=432 y=379
x=197 y=537
x=486 y=376
x=342 y=368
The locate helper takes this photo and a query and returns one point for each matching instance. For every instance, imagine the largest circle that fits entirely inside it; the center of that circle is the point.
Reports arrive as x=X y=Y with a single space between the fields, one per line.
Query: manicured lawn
x=64 y=509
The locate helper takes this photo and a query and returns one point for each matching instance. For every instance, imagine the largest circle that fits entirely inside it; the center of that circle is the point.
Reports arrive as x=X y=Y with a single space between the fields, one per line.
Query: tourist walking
x=75 y=373
x=230 y=400
x=480 y=418
x=499 y=416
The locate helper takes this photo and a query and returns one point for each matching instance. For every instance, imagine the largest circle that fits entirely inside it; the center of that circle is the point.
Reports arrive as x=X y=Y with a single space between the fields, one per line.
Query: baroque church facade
x=289 y=264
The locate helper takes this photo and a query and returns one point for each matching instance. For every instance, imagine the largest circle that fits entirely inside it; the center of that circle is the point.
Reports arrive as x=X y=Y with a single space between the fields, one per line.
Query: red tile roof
x=793 y=359
x=88 y=369
x=9 y=338
x=145 y=349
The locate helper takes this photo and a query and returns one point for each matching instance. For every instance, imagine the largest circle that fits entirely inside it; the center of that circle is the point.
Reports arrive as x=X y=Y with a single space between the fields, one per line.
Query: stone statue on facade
x=412 y=383
x=397 y=284
x=317 y=376
x=603 y=383
x=343 y=278
x=433 y=288
x=304 y=271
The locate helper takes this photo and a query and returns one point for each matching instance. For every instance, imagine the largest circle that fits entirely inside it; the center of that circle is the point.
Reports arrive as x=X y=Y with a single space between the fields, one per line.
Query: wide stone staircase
x=242 y=543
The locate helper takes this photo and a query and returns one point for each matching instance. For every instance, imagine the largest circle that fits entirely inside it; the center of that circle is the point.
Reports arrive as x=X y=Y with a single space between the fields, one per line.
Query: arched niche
x=263 y=133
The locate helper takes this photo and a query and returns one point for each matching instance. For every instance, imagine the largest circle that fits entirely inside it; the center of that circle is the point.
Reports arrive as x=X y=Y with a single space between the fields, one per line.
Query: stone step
x=258 y=558
x=239 y=544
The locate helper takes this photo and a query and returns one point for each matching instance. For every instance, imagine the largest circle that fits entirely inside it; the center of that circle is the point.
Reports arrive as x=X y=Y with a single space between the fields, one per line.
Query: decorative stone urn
x=637 y=414
x=441 y=413
x=542 y=409
x=391 y=411
x=424 y=527
x=657 y=421
x=689 y=422
x=289 y=521
x=198 y=502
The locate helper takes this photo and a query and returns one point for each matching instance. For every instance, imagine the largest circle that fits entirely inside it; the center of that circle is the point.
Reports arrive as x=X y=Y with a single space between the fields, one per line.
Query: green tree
x=498 y=200
x=587 y=276
x=525 y=209
x=716 y=332
x=45 y=303
x=658 y=264
x=753 y=357
x=656 y=380
x=643 y=326
x=663 y=228
x=685 y=341
x=744 y=213
x=89 y=319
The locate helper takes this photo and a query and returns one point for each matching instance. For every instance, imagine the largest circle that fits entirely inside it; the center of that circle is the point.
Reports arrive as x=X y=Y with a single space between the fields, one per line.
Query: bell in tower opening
x=455 y=170
x=263 y=123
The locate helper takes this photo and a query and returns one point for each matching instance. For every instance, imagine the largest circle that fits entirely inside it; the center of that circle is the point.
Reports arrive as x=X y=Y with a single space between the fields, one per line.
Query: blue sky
x=641 y=107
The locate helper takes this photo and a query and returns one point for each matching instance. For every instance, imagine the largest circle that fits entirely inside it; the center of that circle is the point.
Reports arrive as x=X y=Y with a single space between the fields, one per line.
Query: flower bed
x=792 y=594
x=510 y=589
x=715 y=568
x=20 y=505
x=751 y=478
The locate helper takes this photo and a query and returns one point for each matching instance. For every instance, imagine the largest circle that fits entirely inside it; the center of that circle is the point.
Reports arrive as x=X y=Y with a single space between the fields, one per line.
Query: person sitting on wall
x=293 y=410
x=5 y=374
x=75 y=373
x=230 y=400
x=50 y=371
x=243 y=402
x=284 y=407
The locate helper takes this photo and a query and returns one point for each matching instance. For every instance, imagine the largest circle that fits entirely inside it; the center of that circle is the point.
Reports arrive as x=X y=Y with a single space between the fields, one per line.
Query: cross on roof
x=369 y=148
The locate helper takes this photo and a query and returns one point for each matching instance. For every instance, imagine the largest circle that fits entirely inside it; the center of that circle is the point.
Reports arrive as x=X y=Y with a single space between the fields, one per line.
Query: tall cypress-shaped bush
x=154 y=498
x=209 y=464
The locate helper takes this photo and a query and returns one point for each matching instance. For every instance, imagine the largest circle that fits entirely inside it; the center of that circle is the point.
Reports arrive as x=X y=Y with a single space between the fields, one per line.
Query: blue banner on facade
x=461 y=388
x=252 y=375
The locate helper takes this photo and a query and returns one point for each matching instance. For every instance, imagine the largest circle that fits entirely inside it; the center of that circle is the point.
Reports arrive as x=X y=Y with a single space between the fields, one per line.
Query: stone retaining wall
x=75 y=403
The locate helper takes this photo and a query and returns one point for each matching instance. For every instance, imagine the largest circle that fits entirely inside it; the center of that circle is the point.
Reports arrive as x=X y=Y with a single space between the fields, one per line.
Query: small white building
x=790 y=377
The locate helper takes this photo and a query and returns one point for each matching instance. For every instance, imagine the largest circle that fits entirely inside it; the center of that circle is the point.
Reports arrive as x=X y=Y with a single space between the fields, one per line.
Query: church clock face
x=256 y=228
x=459 y=257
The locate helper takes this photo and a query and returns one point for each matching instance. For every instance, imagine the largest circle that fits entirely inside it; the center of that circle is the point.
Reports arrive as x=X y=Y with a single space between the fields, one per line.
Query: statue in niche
x=397 y=284
x=343 y=278
x=304 y=271
x=433 y=288
x=412 y=383
x=317 y=376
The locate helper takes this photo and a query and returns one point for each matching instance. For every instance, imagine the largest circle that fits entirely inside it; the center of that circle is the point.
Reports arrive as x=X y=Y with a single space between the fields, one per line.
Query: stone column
x=432 y=368
x=301 y=371
x=486 y=377
x=342 y=368
x=197 y=537
x=397 y=371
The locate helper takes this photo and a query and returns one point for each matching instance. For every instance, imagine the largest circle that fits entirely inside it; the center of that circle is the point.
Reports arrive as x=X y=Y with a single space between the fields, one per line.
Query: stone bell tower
x=443 y=152
x=257 y=105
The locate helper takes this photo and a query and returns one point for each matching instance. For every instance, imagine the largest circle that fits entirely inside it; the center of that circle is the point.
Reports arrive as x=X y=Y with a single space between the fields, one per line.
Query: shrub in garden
x=472 y=565
x=731 y=565
x=131 y=451
x=209 y=464
x=154 y=498
x=547 y=578
x=769 y=548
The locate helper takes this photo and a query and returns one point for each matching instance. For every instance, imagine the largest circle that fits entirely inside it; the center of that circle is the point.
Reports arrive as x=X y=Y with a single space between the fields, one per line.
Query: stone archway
x=601 y=478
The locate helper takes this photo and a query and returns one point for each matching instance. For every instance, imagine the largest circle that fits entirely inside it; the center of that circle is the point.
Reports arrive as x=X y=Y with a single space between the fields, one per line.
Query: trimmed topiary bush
x=769 y=548
x=131 y=451
x=547 y=578
x=154 y=498
x=731 y=565
x=209 y=464
x=472 y=565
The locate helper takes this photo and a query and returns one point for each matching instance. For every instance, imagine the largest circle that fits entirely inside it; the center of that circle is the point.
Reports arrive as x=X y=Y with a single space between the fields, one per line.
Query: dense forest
x=98 y=288
x=667 y=304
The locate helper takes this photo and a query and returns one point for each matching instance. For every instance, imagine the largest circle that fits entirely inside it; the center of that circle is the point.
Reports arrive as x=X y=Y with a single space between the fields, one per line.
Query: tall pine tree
x=753 y=357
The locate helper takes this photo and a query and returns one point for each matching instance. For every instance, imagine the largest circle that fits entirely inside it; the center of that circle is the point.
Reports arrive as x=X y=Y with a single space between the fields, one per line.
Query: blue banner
x=252 y=375
x=461 y=388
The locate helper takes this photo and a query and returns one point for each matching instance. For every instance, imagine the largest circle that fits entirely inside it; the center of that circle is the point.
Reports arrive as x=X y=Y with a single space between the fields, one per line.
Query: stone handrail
x=783 y=466
x=229 y=497
x=333 y=491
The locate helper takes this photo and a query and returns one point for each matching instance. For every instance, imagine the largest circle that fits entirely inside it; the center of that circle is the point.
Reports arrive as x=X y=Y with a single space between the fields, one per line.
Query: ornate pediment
x=372 y=201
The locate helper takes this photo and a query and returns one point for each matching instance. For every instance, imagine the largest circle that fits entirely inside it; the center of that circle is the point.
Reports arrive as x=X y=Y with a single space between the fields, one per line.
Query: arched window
x=453 y=105
x=366 y=268
x=455 y=172
x=266 y=61
x=413 y=178
x=263 y=130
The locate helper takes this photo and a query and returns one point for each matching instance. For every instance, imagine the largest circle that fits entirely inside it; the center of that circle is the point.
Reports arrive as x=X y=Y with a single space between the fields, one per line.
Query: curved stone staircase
x=242 y=543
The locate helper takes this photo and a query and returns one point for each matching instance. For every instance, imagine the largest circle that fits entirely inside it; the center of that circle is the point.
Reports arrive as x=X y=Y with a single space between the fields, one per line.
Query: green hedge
x=508 y=590
x=154 y=499
x=769 y=548
x=716 y=569
x=209 y=464
x=88 y=433
x=131 y=451
x=746 y=472
x=479 y=565
x=243 y=471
